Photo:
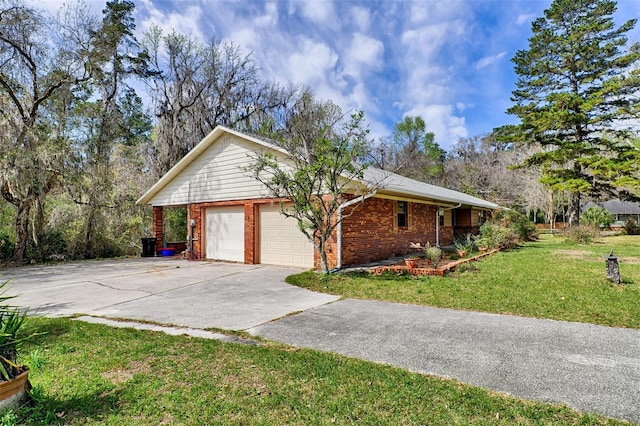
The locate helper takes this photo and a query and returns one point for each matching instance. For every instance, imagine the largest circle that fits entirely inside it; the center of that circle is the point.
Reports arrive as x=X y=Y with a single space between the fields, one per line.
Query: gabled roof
x=385 y=183
x=202 y=146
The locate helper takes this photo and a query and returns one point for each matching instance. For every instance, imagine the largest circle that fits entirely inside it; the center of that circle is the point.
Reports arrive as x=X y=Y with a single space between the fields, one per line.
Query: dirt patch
x=124 y=375
x=630 y=260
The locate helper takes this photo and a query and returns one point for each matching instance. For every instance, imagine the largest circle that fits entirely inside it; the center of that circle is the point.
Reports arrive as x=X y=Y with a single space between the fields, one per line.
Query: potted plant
x=14 y=382
x=411 y=261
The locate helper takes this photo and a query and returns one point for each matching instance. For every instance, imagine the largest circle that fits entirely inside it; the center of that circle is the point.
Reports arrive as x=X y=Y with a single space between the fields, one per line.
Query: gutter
x=339 y=227
x=438 y=222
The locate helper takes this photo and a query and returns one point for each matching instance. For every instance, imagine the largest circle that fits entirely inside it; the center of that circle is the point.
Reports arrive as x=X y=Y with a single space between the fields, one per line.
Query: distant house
x=621 y=210
x=233 y=217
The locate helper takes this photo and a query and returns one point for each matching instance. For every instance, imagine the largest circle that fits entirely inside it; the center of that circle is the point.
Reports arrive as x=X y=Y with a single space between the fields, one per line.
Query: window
x=441 y=218
x=403 y=214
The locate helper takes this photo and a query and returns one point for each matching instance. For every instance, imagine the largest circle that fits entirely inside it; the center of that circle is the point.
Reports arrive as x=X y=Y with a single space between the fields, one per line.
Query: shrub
x=6 y=247
x=12 y=319
x=524 y=229
x=175 y=221
x=519 y=224
x=434 y=254
x=51 y=245
x=493 y=236
x=631 y=227
x=581 y=234
x=597 y=216
x=465 y=244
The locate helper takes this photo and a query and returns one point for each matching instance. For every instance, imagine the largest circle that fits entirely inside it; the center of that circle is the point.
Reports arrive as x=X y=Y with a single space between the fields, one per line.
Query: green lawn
x=87 y=374
x=549 y=278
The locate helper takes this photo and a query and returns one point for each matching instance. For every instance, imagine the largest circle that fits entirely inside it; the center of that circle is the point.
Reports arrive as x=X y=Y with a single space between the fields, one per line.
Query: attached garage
x=232 y=216
x=281 y=242
x=224 y=233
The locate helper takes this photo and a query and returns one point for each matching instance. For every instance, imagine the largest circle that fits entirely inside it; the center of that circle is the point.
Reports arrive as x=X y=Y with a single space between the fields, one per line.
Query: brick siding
x=370 y=232
x=158 y=225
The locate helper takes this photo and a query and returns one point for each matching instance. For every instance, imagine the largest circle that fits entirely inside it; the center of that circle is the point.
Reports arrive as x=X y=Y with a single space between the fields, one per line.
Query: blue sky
x=449 y=62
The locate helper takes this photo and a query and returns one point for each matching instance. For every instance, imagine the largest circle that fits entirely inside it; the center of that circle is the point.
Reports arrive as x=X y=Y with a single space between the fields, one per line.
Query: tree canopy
x=576 y=98
x=322 y=145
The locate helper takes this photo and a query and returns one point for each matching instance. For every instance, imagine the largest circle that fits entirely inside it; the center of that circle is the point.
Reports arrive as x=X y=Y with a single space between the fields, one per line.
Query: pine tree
x=576 y=97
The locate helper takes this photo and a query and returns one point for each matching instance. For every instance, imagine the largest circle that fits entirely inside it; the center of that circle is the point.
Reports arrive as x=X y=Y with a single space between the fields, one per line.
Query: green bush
x=51 y=246
x=631 y=227
x=175 y=224
x=493 y=236
x=597 y=216
x=581 y=234
x=465 y=243
x=520 y=225
x=434 y=254
x=6 y=247
x=12 y=319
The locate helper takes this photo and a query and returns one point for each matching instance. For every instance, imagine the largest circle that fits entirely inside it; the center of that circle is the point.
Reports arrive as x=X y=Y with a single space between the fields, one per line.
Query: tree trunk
x=574 y=209
x=22 y=230
x=323 y=256
x=38 y=230
x=89 y=231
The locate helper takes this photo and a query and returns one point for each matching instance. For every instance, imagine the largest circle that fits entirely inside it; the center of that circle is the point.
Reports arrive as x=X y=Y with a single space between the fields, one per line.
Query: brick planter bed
x=430 y=270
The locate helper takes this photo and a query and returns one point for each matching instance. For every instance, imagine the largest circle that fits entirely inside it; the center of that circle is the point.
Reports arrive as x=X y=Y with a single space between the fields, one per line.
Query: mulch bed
x=423 y=268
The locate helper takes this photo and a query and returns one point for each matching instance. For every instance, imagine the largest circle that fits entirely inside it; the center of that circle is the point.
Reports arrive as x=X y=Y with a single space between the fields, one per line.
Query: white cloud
x=364 y=54
x=246 y=37
x=185 y=21
x=311 y=63
x=488 y=60
x=441 y=120
x=430 y=12
x=320 y=12
x=270 y=18
x=525 y=18
x=361 y=18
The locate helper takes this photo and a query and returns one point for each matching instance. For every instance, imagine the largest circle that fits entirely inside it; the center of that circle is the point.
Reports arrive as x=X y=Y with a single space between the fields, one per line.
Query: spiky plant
x=12 y=319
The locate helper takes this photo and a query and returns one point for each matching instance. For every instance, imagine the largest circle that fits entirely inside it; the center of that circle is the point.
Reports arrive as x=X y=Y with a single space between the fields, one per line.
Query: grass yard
x=87 y=374
x=549 y=278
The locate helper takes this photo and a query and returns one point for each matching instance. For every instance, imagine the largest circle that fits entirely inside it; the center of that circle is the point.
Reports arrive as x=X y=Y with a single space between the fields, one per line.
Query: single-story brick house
x=621 y=210
x=232 y=216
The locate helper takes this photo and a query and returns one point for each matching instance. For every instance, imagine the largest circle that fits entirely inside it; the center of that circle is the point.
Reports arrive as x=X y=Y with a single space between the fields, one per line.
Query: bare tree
x=203 y=85
x=481 y=166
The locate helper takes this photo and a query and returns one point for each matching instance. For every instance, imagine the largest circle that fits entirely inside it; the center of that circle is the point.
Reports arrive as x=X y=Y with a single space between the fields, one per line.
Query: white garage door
x=224 y=238
x=281 y=242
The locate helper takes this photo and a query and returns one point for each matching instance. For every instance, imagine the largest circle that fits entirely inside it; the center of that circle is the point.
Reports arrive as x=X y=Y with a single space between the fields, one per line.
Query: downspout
x=438 y=221
x=339 y=227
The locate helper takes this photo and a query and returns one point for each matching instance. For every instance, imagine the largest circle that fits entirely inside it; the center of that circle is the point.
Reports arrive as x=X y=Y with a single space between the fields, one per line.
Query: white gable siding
x=216 y=175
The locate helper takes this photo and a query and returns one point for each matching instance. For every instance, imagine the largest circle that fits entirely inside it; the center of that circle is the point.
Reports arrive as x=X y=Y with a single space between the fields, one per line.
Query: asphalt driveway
x=168 y=291
x=588 y=367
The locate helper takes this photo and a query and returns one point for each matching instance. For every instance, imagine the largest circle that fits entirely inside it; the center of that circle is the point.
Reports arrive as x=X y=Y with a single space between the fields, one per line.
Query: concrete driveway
x=589 y=367
x=168 y=291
